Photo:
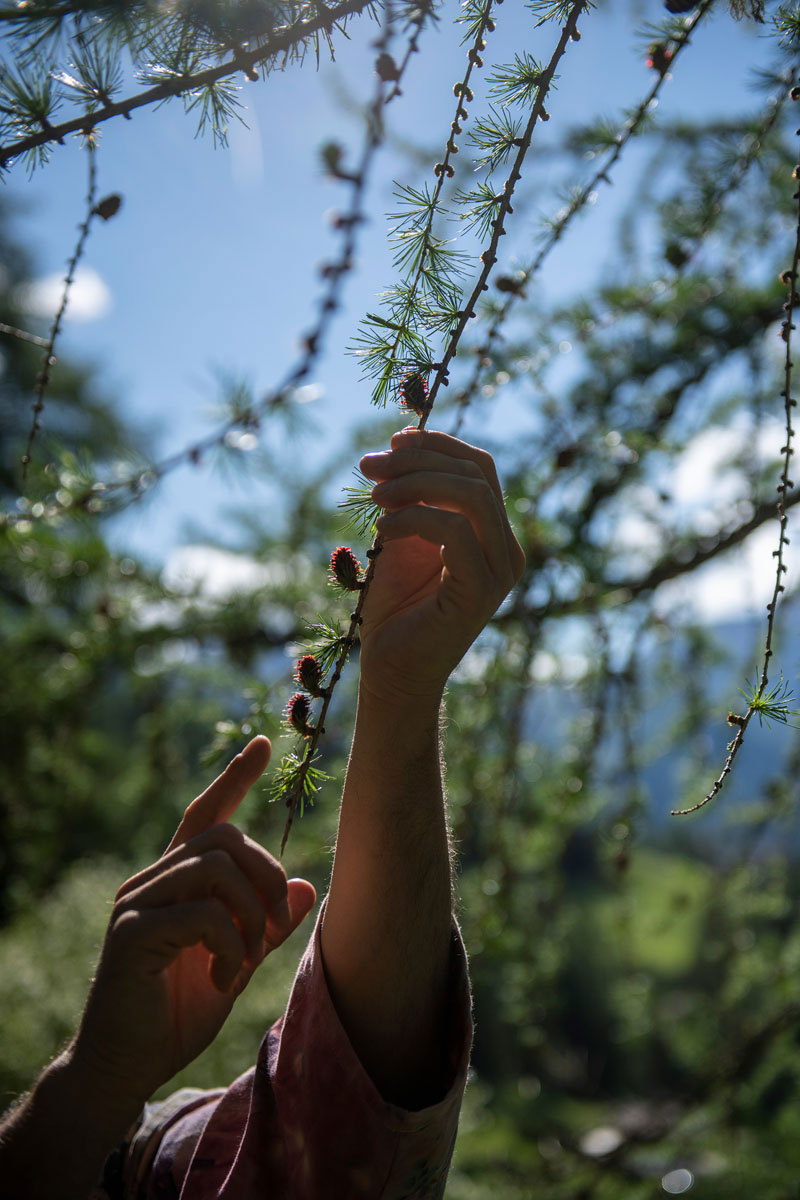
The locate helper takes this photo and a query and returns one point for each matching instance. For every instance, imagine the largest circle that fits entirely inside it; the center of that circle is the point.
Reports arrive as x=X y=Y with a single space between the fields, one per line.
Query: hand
x=185 y=937
x=449 y=558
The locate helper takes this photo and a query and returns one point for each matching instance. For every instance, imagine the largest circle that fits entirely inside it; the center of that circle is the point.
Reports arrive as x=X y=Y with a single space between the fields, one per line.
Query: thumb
x=220 y=800
x=300 y=896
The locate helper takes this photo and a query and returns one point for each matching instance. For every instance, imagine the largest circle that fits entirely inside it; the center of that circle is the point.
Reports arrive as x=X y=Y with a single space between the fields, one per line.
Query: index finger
x=220 y=800
x=424 y=442
x=445 y=443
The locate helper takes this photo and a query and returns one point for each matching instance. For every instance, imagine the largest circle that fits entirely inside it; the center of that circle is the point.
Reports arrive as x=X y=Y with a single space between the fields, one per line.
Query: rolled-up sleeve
x=306 y=1123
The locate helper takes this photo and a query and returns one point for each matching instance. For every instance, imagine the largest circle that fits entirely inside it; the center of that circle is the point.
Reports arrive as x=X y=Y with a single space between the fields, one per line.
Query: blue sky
x=213 y=260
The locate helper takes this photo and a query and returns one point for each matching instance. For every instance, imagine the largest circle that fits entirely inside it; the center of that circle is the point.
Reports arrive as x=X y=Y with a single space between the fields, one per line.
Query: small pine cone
x=309 y=674
x=414 y=393
x=298 y=710
x=332 y=154
x=659 y=56
x=386 y=68
x=510 y=283
x=108 y=207
x=676 y=255
x=345 y=569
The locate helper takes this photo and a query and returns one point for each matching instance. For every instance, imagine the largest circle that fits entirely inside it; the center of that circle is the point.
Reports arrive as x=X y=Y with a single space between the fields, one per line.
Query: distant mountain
x=765 y=752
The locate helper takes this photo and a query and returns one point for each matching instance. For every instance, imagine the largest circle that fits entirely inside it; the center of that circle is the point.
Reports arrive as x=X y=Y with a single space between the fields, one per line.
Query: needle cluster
x=245 y=412
x=64 y=75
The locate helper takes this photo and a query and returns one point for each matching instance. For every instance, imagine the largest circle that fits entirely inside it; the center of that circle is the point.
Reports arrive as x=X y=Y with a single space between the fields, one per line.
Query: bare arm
x=391 y=873
x=449 y=558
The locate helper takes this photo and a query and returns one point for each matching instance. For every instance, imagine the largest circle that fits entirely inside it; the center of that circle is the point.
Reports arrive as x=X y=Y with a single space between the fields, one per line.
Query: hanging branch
x=679 y=255
x=48 y=359
x=22 y=335
x=95 y=497
x=593 y=598
x=489 y=256
x=515 y=287
x=773 y=703
x=294 y=782
x=179 y=84
x=432 y=268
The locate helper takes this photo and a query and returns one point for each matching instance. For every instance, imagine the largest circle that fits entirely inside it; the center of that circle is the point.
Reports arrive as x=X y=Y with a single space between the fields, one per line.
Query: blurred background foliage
x=635 y=975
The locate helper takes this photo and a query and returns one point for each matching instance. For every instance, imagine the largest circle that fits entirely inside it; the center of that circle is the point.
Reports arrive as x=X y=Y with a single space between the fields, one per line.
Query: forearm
x=54 y=1143
x=386 y=931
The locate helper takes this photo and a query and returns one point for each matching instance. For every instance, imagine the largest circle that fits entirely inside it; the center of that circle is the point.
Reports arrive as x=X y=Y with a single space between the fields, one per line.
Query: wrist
x=398 y=709
x=116 y=1097
x=54 y=1143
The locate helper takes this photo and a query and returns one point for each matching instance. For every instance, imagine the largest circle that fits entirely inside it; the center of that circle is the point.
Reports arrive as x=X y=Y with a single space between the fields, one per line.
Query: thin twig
x=444 y=170
x=489 y=257
x=374 y=137
x=784 y=487
x=22 y=335
x=94 y=498
x=559 y=226
x=48 y=359
x=611 y=594
x=243 y=60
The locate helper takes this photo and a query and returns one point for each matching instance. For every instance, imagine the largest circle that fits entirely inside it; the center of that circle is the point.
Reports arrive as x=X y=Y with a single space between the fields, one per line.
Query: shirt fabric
x=306 y=1122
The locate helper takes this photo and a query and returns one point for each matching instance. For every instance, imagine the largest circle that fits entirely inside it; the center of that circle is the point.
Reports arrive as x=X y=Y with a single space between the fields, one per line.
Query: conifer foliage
x=635 y=977
x=63 y=76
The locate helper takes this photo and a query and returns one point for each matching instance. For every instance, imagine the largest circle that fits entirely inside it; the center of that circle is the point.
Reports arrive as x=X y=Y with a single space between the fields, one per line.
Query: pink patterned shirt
x=305 y=1123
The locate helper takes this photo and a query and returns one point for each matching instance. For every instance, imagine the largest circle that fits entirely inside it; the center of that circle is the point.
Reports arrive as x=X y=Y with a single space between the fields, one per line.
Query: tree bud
x=414 y=393
x=309 y=674
x=108 y=207
x=386 y=68
x=345 y=569
x=298 y=710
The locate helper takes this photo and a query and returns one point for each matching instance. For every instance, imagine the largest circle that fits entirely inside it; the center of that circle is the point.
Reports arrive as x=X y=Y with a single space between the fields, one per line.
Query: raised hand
x=449 y=559
x=185 y=936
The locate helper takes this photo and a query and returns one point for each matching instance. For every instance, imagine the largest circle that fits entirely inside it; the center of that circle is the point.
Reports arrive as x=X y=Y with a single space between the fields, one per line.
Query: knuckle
x=481 y=485
x=221 y=836
x=122 y=891
x=225 y=832
x=124 y=924
x=217 y=912
x=216 y=860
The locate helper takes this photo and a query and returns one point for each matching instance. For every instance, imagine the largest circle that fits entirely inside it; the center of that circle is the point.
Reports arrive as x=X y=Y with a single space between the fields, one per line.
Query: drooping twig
x=242 y=60
x=690 y=244
x=48 y=360
x=443 y=171
x=96 y=497
x=790 y=278
x=578 y=202
x=569 y=32
x=611 y=594
x=389 y=77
